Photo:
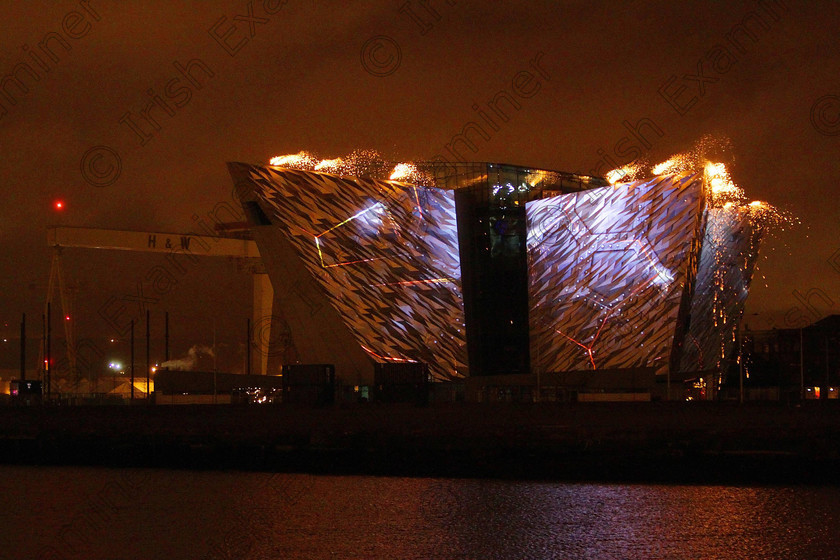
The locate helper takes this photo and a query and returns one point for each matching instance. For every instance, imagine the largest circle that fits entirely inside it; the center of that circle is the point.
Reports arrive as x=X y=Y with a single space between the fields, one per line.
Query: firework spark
x=720 y=186
x=329 y=165
x=703 y=157
x=359 y=163
x=728 y=210
x=625 y=174
x=300 y=160
x=408 y=172
x=403 y=171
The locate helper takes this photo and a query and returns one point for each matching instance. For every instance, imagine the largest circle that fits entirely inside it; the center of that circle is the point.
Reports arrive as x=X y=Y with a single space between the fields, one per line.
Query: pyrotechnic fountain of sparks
x=625 y=174
x=359 y=163
x=403 y=171
x=300 y=160
x=329 y=165
x=727 y=210
x=670 y=165
x=409 y=173
x=720 y=187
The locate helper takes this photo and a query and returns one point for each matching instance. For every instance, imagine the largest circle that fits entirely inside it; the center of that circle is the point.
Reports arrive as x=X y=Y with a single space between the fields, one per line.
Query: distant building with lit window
x=784 y=363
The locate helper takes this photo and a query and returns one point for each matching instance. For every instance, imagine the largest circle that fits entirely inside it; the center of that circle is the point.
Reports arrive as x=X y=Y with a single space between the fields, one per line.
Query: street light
x=116 y=368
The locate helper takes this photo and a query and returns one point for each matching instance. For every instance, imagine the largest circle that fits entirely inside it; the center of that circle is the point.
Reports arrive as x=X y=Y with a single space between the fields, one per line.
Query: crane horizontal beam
x=152 y=242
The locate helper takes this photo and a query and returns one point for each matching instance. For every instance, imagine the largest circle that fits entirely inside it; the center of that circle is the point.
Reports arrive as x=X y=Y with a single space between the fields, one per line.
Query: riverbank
x=622 y=442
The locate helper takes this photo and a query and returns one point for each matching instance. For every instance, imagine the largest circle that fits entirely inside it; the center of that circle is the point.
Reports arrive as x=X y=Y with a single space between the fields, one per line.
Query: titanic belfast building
x=483 y=269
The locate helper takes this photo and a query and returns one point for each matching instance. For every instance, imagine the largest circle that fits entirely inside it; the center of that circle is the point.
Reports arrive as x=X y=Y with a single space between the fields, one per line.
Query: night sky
x=244 y=81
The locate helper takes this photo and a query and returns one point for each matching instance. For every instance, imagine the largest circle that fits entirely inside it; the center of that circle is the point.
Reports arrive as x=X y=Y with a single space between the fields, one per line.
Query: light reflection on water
x=140 y=514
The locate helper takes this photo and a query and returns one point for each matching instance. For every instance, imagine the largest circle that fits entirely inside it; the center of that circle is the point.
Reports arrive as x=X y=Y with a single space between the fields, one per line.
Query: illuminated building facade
x=484 y=269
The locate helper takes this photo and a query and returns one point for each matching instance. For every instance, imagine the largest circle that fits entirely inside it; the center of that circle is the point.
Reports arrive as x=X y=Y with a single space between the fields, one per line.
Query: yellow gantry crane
x=174 y=244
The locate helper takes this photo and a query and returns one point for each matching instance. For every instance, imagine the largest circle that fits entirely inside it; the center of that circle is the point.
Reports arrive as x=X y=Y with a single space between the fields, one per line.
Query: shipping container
x=402 y=383
x=311 y=384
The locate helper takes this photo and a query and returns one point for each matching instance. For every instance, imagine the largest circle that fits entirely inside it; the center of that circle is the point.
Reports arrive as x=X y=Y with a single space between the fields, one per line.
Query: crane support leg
x=262 y=322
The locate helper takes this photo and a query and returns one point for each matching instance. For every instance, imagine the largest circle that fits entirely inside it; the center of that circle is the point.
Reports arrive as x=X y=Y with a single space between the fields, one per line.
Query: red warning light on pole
x=67 y=317
x=59 y=205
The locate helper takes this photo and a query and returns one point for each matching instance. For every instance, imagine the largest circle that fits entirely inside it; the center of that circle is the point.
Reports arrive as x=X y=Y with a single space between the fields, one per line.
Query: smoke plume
x=189 y=361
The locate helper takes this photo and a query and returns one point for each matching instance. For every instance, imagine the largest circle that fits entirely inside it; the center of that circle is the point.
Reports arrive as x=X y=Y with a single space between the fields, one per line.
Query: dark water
x=143 y=514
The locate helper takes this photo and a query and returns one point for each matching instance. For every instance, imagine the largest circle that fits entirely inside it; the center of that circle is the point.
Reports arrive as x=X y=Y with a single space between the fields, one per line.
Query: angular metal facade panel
x=727 y=262
x=385 y=254
x=607 y=272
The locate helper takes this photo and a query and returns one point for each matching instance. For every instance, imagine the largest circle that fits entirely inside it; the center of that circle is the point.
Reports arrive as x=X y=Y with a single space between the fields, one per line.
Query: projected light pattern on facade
x=727 y=262
x=498 y=269
x=607 y=271
x=385 y=254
